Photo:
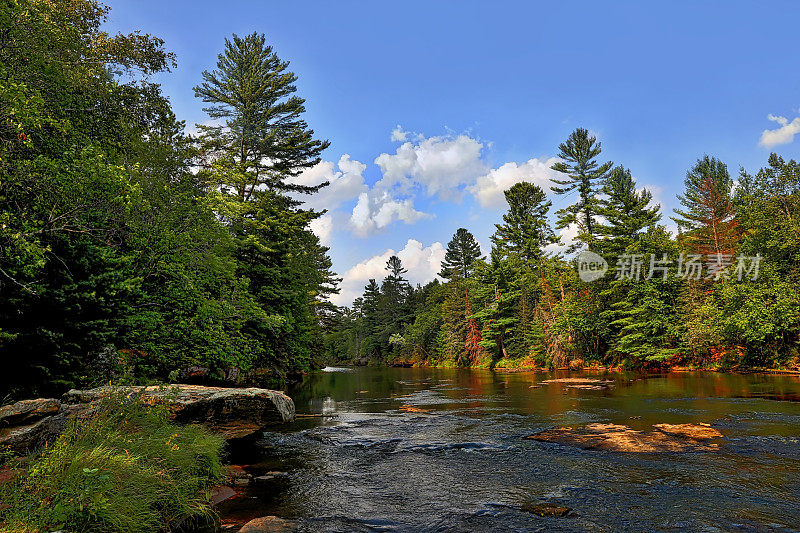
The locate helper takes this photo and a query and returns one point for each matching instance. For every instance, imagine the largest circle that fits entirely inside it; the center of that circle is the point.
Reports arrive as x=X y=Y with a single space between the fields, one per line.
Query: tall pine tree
x=582 y=174
x=462 y=251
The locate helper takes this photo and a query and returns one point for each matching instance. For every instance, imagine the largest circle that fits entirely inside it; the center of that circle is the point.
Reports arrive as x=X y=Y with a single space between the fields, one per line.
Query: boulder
x=26 y=437
x=546 y=509
x=28 y=411
x=232 y=413
x=269 y=524
x=618 y=438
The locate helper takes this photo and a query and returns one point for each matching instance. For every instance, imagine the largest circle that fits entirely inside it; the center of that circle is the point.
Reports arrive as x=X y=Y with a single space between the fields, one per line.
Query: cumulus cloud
x=439 y=165
x=489 y=188
x=376 y=210
x=399 y=135
x=323 y=228
x=784 y=134
x=423 y=264
x=346 y=183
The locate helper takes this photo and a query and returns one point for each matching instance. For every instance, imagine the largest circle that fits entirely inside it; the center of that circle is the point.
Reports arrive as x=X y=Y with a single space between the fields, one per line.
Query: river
x=418 y=449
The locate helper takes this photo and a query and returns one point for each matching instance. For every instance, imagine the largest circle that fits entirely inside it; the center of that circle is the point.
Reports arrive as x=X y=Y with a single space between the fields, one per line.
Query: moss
x=126 y=468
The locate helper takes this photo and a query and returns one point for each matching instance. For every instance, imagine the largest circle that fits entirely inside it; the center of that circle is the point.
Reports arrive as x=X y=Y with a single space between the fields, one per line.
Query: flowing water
x=415 y=449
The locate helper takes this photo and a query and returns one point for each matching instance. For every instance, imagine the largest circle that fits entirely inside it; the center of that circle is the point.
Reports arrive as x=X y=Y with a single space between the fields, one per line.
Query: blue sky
x=483 y=93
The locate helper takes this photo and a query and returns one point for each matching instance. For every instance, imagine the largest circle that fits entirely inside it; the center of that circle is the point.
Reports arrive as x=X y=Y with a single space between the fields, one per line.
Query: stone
x=28 y=411
x=220 y=493
x=618 y=438
x=546 y=509
x=230 y=412
x=581 y=383
x=269 y=477
x=269 y=524
x=26 y=438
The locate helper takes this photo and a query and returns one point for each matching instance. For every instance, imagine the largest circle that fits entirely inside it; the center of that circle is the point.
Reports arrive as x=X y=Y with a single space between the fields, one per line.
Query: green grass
x=125 y=469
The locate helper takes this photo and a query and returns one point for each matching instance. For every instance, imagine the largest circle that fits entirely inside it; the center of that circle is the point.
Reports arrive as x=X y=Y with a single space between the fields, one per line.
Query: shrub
x=125 y=469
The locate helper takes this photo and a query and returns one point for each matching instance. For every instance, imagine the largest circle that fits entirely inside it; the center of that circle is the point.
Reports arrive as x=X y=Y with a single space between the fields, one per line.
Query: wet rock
x=618 y=438
x=237 y=476
x=546 y=509
x=269 y=477
x=220 y=493
x=232 y=413
x=28 y=411
x=269 y=524
x=582 y=383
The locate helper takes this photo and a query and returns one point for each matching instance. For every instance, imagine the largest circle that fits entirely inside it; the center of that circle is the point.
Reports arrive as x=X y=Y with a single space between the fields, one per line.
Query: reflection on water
x=442 y=450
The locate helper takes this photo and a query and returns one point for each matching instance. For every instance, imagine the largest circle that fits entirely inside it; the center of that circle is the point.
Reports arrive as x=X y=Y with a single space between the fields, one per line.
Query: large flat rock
x=618 y=438
x=230 y=412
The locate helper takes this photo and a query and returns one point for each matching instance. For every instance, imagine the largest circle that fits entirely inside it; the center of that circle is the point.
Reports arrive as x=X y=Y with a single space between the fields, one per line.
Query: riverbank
x=127 y=459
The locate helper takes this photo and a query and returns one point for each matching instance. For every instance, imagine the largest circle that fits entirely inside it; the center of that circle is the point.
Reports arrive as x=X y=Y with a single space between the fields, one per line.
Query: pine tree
x=263 y=141
x=708 y=215
x=583 y=174
x=525 y=231
x=626 y=211
x=462 y=251
x=247 y=164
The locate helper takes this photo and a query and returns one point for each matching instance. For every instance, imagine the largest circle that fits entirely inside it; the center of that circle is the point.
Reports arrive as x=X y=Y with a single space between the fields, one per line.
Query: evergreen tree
x=462 y=251
x=626 y=211
x=584 y=174
x=263 y=141
x=525 y=231
x=248 y=163
x=708 y=214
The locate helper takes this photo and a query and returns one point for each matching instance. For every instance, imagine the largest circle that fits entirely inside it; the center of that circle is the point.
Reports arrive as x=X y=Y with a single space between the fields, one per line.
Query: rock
x=581 y=383
x=618 y=438
x=232 y=413
x=546 y=509
x=25 y=438
x=237 y=476
x=28 y=411
x=269 y=524
x=269 y=477
x=220 y=493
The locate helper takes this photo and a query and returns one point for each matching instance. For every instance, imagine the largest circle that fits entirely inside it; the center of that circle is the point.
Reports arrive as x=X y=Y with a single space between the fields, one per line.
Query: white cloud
x=423 y=264
x=440 y=165
x=323 y=228
x=489 y=188
x=782 y=135
x=568 y=236
x=399 y=135
x=376 y=210
x=346 y=183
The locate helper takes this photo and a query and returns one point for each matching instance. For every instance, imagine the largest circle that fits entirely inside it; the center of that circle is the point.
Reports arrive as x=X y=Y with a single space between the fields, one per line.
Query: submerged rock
x=581 y=383
x=269 y=524
x=618 y=438
x=546 y=509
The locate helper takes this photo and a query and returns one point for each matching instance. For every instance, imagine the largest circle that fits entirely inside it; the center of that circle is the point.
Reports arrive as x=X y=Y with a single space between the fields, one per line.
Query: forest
x=131 y=249
x=721 y=294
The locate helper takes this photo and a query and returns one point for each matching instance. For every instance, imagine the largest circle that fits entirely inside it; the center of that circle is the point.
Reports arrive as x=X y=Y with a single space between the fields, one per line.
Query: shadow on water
x=413 y=449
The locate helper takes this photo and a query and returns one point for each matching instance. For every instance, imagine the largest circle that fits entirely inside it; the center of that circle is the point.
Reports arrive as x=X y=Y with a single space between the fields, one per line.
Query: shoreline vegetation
x=121 y=468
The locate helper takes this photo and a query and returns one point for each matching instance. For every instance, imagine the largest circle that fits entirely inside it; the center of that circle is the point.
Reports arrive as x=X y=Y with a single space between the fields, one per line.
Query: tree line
x=722 y=293
x=129 y=248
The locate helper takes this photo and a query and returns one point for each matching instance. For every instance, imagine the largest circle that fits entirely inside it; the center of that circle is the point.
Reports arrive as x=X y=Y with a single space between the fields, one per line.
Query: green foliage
x=126 y=469
x=462 y=251
x=582 y=174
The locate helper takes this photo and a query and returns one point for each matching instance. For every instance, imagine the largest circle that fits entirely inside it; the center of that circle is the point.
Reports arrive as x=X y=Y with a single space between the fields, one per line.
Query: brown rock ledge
x=618 y=438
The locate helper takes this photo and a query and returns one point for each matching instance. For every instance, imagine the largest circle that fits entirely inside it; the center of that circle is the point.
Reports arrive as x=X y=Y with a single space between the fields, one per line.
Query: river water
x=417 y=449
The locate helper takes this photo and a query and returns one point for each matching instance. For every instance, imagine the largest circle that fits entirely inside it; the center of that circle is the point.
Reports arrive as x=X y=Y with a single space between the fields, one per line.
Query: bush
x=126 y=469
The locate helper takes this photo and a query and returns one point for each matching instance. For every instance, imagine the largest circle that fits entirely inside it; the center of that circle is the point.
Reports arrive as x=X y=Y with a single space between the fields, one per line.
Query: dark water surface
x=442 y=450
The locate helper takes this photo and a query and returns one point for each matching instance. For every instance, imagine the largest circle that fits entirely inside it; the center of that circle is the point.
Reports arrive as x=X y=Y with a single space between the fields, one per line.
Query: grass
x=125 y=469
